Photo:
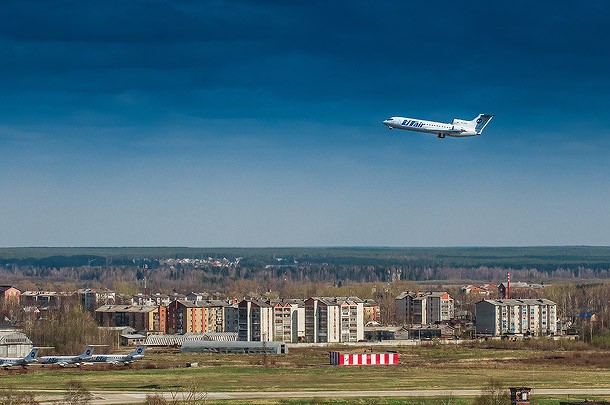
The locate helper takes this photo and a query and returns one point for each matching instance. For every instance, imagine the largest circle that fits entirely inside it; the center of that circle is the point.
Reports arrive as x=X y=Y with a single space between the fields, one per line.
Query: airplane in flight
x=124 y=359
x=6 y=362
x=458 y=127
x=63 y=361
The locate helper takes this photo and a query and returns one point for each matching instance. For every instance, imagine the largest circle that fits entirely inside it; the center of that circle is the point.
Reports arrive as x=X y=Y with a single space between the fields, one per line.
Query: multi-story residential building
x=288 y=320
x=371 y=311
x=408 y=308
x=90 y=299
x=193 y=296
x=255 y=321
x=222 y=316
x=334 y=319
x=439 y=307
x=45 y=299
x=8 y=293
x=187 y=316
x=141 y=318
x=155 y=299
x=231 y=317
x=420 y=308
x=535 y=317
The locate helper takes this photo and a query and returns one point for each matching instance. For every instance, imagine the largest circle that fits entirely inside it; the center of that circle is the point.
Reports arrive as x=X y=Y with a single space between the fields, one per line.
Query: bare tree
x=156 y=399
x=188 y=396
x=493 y=393
x=77 y=394
x=10 y=396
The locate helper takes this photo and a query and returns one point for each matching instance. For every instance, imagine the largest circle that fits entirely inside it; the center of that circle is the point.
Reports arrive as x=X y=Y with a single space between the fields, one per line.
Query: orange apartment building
x=187 y=316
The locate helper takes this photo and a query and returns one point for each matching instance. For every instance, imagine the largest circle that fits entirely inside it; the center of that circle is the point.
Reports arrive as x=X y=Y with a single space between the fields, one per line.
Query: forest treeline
x=547 y=258
x=184 y=278
x=165 y=269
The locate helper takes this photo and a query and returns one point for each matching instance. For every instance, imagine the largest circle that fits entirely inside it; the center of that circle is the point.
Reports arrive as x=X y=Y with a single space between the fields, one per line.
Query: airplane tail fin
x=480 y=122
x=87 y=353
x=32 y=356
x=139 y=351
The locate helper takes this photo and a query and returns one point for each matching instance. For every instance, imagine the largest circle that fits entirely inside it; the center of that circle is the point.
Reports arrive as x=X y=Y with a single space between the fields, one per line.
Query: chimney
x=508 y=286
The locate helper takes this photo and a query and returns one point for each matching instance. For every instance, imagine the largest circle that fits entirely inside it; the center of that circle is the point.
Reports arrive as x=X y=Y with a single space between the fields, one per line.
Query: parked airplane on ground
x=124 y=359
x=6 y=362
x=457 y=128
x=63 y=361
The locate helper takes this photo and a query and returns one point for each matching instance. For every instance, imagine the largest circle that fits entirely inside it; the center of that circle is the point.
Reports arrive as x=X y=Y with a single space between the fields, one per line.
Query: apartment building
x=255 y=321
x=288 y=320
x=8 y=293
x=534 y=317
x=187 y=316
x=141 y=318
x=222 y=316
x=421 y=308
x=371 y=311
x=156 y=299
x=45 y=299
x=91 y=299
x=439 y=307
x=334 y=319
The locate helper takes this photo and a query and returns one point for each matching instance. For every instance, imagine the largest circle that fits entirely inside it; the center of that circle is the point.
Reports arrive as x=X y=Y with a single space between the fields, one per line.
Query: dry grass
x=436 y=367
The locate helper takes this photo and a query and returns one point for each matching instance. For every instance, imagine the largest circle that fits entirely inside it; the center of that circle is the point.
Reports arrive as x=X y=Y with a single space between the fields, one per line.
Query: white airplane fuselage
x=6 y=362
x=63 y=361
x=125 y=359
x=458 y=128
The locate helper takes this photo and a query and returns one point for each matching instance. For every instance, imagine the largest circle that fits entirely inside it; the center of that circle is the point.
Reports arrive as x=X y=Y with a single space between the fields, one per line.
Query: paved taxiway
x=116 y=397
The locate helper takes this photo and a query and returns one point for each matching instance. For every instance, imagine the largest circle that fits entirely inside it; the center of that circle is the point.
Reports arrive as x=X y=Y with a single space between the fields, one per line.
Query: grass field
x=437 y=367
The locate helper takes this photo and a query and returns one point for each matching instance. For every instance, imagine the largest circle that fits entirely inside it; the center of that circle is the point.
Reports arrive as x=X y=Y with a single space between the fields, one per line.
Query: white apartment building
x=334 y=319
x=288 y=320
x=318 y=320
x=535 y=317
x=255 y=321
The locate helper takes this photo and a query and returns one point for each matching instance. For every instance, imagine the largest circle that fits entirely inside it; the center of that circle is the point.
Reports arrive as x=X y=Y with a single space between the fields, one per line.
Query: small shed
x=132 y=339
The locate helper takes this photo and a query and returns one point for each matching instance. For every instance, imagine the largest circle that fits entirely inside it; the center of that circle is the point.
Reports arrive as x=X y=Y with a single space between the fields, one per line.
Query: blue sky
x=258 y=123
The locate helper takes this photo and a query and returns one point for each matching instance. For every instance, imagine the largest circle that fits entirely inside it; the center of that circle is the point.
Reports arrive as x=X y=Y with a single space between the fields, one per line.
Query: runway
x=132 y=397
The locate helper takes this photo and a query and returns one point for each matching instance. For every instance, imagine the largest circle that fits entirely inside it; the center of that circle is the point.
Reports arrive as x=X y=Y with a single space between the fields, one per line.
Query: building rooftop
x=518 y=301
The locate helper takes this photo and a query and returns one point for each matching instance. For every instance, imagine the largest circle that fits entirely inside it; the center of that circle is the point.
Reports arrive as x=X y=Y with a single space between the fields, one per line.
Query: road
x=124 y=397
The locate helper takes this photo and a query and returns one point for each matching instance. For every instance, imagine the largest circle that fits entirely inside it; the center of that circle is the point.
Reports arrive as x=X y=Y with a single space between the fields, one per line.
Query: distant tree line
x=182 y=277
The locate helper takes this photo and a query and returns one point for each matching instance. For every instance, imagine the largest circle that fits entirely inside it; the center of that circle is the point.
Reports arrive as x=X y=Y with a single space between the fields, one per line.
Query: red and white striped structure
x=363 y=359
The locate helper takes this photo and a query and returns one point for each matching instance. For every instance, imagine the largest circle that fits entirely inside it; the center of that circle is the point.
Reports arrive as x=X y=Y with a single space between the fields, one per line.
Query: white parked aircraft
x=63 y=361
x=120 y=358
x=6 y=362
x=457 y=128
